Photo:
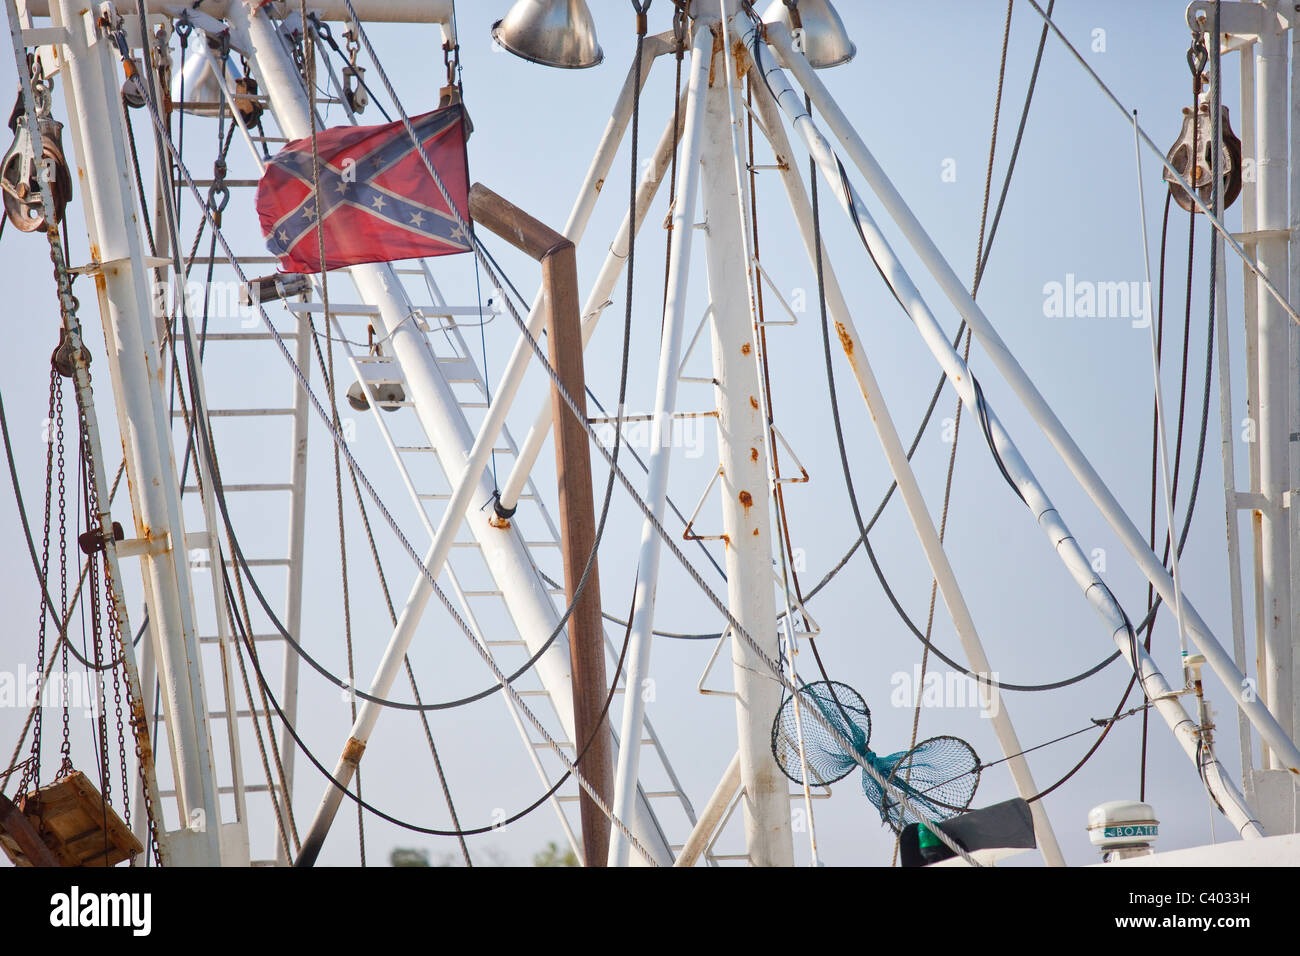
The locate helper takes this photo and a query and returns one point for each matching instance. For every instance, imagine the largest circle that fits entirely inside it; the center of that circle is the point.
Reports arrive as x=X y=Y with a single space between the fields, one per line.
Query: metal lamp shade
x=558 y=33
x=824 y=41
x=201 y=85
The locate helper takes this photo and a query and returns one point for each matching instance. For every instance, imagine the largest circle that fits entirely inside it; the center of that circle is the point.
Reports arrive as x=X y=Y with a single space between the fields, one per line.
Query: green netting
x=938 y=776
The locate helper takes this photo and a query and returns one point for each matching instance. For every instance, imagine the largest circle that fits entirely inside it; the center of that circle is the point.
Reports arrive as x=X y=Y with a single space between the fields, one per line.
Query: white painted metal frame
x=123 y=272
x=1092 y=483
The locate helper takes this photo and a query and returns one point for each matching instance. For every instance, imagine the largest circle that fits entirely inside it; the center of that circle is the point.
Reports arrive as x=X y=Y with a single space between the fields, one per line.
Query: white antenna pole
x=688 y=175
x=1091 y=482
x=1271 y=83
x=908 y=486
x=745 y=467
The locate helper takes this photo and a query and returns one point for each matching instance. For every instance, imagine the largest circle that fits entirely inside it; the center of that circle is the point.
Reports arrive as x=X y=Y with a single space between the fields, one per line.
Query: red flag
x=378 y=202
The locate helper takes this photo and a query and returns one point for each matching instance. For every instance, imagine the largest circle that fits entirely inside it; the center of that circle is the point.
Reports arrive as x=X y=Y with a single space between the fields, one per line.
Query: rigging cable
x=738 y=630
x=309 y=54
x=1182 y=541
x=1155 y=450
x=212 y=211
x=1198 y=43
x=383 y=579
x=242 y=564
x=863 y=538
x=957 y=414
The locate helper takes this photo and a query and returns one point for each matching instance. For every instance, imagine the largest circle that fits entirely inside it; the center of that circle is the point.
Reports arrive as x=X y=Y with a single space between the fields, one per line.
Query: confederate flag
x=378 y=202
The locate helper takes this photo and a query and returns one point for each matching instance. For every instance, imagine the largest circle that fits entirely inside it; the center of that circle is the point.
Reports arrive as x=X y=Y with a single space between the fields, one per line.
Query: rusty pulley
x=1193 y=156
x=62 y=357
x=18 y=172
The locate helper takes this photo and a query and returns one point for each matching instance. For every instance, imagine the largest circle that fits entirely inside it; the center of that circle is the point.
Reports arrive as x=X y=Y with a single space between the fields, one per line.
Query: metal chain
x=69 y=306
x=121 y=645
x=31 y=777
x=60 y=455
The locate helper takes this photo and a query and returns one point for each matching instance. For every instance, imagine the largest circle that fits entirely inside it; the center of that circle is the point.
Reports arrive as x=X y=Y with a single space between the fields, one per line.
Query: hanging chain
x=77 y=360
x=121 y=647
x=65 y=749
x=31 y=778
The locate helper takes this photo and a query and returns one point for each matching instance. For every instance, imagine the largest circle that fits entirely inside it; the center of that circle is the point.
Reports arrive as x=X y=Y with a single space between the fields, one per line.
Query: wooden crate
x=72 y=821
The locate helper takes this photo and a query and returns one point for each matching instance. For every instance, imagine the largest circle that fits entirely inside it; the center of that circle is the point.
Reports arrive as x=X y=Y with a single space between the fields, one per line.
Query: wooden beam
x=17 y=827
x=577 y=503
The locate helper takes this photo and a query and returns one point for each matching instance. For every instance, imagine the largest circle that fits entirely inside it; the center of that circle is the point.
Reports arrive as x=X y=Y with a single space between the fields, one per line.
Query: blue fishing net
x=938 y=776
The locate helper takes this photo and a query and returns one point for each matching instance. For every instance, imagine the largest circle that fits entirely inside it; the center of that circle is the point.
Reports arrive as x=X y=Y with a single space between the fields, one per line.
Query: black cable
x=1149 y=621
x=242 y=563
x=1155 y=454
x=510 y=287
x=430 y=831
x=988 y=251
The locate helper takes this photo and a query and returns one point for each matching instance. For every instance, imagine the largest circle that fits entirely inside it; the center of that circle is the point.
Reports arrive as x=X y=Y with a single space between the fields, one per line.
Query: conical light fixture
x=200 y=82
x=559 y=33
x=824 y=41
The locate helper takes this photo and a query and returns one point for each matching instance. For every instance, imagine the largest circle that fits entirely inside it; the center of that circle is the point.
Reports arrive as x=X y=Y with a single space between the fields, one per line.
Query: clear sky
x=921 y=91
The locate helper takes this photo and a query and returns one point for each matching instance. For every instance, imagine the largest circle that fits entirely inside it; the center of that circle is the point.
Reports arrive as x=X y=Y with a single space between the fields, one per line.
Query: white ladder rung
x=241 y=412
x=459 y=370
x=246 y=336
x=244 y=488
x=216 y=639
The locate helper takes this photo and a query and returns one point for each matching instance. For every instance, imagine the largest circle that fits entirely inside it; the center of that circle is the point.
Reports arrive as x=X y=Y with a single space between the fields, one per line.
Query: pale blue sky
x=921 y=92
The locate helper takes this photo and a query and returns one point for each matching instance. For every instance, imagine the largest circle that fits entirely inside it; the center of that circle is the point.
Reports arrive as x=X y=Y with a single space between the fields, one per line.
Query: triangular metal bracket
x=689 y=532
x=690 y=350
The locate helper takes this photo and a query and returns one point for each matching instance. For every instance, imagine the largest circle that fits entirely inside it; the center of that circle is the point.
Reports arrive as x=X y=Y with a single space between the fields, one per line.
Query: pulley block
x=1193 y=156
x=19 y=179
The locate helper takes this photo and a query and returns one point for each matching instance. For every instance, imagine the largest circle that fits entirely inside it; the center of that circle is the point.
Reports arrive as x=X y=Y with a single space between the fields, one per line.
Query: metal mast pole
x=1006 y=363
x=1293 y=352
x=647 y=580
x=744 y=463
x=1275 y=363
x=122 y=277
x=577 y=504
x=901 y=468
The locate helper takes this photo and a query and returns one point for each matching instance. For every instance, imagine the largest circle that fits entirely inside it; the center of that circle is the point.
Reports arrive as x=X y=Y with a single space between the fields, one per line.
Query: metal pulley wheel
x=1198 y=134
x=62 y=357
x=18 y=176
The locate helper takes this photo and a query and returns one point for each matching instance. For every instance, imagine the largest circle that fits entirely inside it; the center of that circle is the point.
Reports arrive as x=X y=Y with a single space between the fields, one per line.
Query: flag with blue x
x=377 y=201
